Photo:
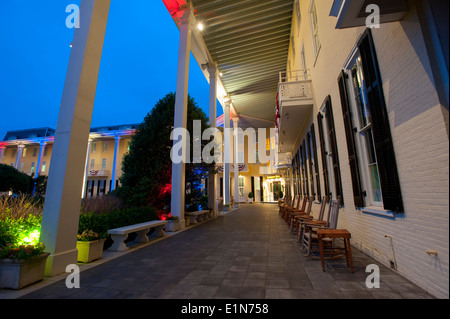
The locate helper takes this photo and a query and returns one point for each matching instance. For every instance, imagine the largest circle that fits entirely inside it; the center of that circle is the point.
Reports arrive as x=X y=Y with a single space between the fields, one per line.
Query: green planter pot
x=16 y=274
x=89 y=251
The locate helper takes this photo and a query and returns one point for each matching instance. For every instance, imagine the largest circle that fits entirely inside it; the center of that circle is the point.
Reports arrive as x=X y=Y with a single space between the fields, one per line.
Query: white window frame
x=328 y=156
x=314 y=22
x=299 y=15
x=293 y=46
x=241 y=189
x=361 y=146
x=303 y=60
x=313 y=173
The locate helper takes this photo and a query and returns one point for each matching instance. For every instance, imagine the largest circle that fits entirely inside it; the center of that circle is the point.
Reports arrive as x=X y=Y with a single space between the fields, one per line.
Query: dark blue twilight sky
x=138 y=67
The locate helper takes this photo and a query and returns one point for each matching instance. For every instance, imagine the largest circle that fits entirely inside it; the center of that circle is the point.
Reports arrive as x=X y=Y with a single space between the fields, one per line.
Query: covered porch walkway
x=248 y=253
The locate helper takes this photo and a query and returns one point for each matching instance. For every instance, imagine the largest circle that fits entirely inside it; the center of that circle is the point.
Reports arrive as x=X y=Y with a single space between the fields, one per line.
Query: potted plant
x=21 y=266
x=250 y=197
x=172 y=223
x=22 y=256
x=90 y=246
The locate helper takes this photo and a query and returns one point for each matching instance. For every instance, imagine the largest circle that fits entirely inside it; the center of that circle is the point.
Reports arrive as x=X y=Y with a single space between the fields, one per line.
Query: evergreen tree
x=147 y=168
x=13 y=180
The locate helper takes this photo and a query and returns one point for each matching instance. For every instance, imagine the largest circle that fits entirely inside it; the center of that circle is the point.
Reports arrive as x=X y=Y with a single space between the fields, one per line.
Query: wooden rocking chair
x=296 y=214
x=288 y=203
x=310 y=228
x=299 y=221
x=294 y=206
x=288 y=211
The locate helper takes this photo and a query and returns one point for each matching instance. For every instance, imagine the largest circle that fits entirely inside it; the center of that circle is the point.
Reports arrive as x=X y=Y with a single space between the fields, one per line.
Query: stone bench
x=199 y=216
x=119 y=235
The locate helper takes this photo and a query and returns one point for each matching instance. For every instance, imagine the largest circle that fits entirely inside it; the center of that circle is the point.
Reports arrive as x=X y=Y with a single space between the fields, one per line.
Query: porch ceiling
x=249 y=40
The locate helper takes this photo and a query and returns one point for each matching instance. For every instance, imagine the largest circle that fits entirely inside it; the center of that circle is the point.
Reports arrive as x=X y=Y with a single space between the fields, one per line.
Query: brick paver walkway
x=247 y=253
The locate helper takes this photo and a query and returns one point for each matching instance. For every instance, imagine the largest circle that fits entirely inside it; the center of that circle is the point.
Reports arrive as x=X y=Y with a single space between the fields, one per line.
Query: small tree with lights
x=147 y=168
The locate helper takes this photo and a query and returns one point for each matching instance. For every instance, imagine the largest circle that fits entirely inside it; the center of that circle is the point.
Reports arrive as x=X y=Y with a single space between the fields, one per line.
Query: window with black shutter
x=316 y=162
x=299 y=174
x=305 y=169
x=333 y=148
x=294 y=174
x=384 y=148
x=323 y=155
x=351 y=146
x=310 y=164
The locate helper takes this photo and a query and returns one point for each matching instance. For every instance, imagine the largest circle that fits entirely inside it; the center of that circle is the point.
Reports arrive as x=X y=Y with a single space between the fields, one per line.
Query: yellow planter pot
x=90 y=250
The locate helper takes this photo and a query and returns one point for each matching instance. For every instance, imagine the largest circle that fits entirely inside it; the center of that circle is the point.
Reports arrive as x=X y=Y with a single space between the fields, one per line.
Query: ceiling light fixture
x=200 y=26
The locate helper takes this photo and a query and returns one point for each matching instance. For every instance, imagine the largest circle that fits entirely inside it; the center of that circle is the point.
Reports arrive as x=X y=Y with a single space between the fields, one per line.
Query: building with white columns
x=362 y=114
x=30 y=152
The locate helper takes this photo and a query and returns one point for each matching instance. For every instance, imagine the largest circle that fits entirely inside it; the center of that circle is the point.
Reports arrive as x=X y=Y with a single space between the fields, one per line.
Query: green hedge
x=100 y=223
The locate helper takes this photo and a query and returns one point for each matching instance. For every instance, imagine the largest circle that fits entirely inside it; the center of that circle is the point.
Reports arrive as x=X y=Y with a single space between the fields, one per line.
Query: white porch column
x=212 y=179
x=113 y=173
x=178 y=169
x=236 y=161
x=2 y=152
x=226 y=156
x=86 y=169
x=62 y=205
x=19 y=154
x=39 y=162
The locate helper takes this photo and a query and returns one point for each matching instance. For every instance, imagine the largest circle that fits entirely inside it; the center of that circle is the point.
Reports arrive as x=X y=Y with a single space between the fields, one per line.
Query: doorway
x=276 y=190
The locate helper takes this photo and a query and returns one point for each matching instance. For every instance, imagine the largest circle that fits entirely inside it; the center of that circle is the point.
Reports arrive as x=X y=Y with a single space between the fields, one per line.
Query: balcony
x=284 y=161
x=295 y=101
x=98 y=172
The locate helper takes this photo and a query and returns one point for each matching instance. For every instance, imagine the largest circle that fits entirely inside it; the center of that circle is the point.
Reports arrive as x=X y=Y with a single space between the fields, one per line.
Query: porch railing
x=295 y=85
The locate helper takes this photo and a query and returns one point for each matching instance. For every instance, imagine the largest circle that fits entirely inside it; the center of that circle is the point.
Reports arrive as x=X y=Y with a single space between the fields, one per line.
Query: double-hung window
x=314 y=28
x=372 y=161
x=364 y=136
x=241 y=188
x=330 y=157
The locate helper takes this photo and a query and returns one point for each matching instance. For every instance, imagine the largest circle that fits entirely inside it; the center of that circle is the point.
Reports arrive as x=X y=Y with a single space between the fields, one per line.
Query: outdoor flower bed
x=89 y=246
x=22 y=256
